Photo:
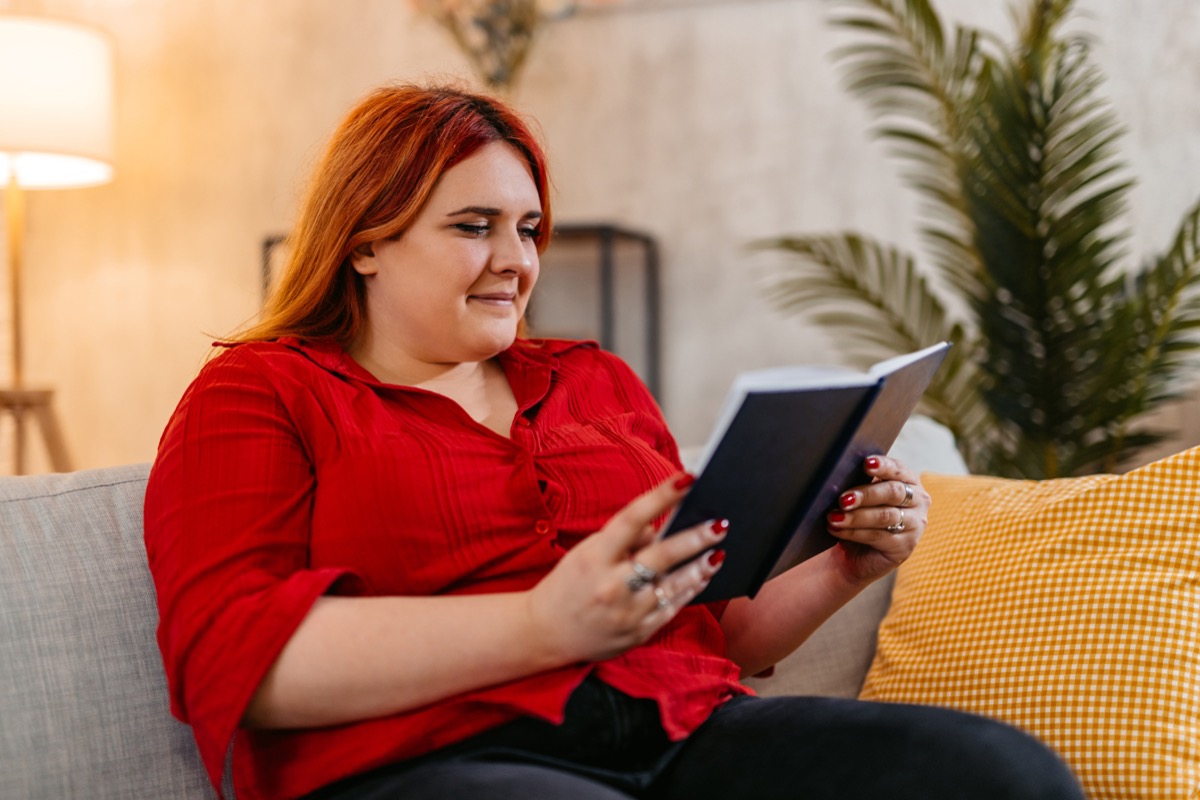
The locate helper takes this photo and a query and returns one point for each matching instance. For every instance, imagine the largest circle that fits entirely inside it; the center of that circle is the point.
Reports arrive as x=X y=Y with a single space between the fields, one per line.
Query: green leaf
x=1062 y=349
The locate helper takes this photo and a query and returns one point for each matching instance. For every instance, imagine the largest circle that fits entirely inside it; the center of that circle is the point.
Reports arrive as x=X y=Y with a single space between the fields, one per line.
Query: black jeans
x=611 y=747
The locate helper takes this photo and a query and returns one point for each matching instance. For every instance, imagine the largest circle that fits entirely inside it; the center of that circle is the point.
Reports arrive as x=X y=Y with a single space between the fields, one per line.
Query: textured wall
x=705 y=123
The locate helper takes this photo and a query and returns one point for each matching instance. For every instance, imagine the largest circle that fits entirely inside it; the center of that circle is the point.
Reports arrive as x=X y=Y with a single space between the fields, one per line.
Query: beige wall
x=705 y=123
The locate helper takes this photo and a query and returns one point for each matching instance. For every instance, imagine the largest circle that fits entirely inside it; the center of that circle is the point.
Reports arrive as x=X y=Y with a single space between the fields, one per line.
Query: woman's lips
x=495 y=298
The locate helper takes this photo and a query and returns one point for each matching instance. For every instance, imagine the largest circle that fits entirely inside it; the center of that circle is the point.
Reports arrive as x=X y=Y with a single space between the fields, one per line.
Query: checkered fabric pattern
x=1068 y=608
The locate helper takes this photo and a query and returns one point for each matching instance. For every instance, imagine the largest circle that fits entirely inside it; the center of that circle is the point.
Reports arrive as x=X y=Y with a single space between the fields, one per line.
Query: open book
x=787 y=443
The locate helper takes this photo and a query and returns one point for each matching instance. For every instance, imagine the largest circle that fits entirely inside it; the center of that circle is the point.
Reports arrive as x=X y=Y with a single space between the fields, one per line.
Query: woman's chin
x=494 y=340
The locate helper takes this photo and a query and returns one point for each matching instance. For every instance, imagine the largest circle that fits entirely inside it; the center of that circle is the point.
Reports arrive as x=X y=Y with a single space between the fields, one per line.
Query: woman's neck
x=398 y=366
x=483 y=393
x=481 y=388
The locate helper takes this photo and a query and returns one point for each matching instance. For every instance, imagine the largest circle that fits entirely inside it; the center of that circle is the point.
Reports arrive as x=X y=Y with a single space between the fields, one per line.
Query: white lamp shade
x=56 y=103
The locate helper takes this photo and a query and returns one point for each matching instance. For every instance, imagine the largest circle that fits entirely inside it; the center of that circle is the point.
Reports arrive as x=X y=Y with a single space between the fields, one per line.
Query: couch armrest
x=84 y=710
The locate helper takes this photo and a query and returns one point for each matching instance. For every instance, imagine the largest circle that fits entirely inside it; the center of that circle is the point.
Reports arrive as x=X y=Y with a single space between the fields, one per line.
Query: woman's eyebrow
x=486 y=211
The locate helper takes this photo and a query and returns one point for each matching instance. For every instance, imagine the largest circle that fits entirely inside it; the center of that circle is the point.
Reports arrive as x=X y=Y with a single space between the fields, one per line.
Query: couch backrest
x=83 y=699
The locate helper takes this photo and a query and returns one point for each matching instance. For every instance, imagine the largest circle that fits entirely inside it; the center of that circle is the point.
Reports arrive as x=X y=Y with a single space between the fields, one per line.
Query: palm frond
x=914 y=83
x=881 y=305
x=873 y=293
x=1043 y=195
x=1015 y=156
x=1042 y=17
x=1163 y=325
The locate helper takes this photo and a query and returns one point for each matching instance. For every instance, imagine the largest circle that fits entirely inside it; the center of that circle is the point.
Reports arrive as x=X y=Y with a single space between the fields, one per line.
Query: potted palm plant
x=1062 y=345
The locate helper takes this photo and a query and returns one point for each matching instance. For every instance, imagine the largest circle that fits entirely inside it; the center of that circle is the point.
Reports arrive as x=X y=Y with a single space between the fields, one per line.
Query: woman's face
x=453 y=286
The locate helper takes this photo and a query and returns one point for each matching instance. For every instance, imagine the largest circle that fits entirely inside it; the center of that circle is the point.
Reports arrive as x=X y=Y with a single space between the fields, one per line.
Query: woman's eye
x=532 y=233
x=472 y=228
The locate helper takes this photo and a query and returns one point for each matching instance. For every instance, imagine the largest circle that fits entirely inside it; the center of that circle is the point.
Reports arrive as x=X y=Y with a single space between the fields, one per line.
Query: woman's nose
x=513 y=253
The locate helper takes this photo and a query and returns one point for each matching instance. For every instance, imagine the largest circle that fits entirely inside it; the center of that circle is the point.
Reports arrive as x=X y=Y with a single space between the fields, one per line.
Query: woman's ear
x=362 y=258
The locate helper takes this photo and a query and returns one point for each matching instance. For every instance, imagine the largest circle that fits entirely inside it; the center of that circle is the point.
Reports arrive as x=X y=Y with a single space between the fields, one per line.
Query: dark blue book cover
x=788 y=442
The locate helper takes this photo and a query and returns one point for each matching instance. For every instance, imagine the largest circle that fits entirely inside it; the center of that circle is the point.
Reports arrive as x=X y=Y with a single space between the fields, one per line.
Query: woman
x=401 y=552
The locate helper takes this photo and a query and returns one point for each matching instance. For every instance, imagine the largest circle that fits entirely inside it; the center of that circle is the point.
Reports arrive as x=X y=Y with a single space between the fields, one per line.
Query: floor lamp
x=56 y=132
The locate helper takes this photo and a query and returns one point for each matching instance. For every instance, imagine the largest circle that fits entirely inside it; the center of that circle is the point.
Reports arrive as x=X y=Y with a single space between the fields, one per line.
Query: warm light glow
x=56 y=103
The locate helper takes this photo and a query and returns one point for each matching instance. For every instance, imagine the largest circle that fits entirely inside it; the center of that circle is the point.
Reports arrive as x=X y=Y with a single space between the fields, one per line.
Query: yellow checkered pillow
x=1069 y=608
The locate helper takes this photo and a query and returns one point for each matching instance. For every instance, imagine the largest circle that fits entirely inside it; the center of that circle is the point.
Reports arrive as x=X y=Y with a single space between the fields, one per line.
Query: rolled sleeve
x=228 y=527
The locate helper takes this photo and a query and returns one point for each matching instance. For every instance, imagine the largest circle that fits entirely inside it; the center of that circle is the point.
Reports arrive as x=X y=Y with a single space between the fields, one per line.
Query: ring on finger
x=664 y=602
x=898 y=525
x=642 y=576
x=907 y=502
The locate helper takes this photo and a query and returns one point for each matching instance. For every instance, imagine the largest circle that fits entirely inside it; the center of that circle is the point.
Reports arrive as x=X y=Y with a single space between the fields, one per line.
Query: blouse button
x=542 y=527
x=523 y=422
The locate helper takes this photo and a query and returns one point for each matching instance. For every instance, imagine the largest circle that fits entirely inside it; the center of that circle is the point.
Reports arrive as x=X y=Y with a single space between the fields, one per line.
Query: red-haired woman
x=402 y=552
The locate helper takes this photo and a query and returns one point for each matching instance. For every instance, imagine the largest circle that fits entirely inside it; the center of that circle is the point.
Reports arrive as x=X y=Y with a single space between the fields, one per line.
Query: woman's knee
x=832 y=748
x=992 y=758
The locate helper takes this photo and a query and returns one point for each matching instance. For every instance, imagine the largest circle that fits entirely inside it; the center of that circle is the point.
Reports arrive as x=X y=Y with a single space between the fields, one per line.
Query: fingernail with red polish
x=684 y=481
x=837 y=516
x=872 y=463
x=848 y=500
x=720 y=526
x=716 y=557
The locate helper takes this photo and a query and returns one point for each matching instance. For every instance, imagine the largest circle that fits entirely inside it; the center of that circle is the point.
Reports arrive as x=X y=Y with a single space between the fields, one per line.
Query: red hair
x=377 y=172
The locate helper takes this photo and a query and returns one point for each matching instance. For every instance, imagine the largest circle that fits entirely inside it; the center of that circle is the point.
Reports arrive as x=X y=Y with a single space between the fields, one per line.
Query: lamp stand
x=17 y=400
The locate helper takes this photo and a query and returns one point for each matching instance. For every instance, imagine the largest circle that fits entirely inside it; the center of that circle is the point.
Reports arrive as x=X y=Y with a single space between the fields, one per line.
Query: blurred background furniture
x=600 y=281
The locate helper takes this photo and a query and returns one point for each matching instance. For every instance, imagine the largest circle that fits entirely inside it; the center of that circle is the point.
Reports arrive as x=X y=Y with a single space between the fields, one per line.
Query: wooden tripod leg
x=35 y=403
x=18 y=414
x=56 y=445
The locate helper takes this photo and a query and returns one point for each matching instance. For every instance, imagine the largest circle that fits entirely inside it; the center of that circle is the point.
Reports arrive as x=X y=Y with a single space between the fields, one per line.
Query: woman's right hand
x=588 y=609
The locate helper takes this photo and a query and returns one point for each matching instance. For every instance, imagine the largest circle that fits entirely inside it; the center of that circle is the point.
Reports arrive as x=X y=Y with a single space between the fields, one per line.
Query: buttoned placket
x=522 y=435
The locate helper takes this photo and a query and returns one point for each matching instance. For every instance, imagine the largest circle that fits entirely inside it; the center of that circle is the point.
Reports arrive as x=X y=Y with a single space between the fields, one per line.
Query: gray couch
x=83 y=706
x=83 y=700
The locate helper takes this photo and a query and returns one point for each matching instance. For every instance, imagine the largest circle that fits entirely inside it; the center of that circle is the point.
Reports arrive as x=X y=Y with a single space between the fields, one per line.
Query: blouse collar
x=528 y=358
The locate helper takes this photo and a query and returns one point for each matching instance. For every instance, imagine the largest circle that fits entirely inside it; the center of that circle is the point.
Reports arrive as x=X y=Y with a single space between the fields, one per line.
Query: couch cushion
x=834 y=660
x=1069 y=608
x=83 y=700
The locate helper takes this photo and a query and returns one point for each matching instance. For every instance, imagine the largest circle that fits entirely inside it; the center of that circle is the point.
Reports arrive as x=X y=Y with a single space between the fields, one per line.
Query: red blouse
x=288 y=472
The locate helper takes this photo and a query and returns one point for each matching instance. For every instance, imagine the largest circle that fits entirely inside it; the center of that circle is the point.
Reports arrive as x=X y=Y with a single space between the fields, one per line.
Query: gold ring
x=908 y=496
x=899 y=524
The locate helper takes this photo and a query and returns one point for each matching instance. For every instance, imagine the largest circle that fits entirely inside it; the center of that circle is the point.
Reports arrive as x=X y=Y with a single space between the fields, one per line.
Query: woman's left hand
x=879 y=523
